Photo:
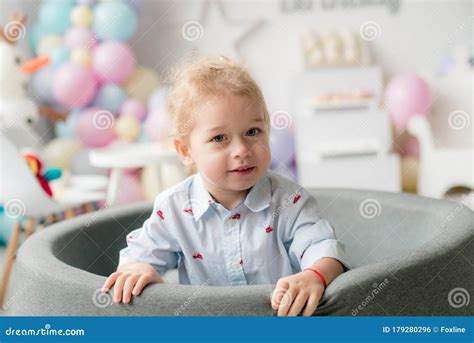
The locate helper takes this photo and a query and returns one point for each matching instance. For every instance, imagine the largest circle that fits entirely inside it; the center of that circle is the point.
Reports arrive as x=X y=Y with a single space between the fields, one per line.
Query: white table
x=133 y=155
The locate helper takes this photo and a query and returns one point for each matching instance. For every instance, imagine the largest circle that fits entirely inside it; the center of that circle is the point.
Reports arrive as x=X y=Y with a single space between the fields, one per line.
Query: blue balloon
x=60 y=55
x=54 y=15
x=114 y=20
x=110 y=97
x=35 y=34
x=67 y=128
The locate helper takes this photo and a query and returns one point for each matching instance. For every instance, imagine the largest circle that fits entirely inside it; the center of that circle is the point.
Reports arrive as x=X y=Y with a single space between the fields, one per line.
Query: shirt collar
x=257 y=199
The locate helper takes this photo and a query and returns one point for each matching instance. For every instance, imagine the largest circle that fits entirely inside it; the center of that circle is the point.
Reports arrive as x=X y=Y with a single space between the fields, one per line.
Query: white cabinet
x=345 y=144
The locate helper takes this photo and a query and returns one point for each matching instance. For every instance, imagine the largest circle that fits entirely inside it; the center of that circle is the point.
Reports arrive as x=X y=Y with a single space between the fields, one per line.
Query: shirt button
x=236 y=264
x=231 y=222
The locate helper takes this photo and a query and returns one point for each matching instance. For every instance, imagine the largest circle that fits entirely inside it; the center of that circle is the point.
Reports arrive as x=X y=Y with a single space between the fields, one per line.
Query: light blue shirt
x=274 y=232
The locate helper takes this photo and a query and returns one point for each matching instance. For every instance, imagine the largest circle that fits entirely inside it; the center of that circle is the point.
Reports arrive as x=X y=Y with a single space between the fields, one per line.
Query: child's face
x=230 y=134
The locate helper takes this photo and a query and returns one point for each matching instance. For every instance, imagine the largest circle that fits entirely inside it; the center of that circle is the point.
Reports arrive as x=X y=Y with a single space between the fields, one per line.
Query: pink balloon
x=157 y=126
x=74 y=85
x=113 y=61
x=130 y=190
x=78 y=37
x=407 y=95
x=133 y=107
x=94 y=127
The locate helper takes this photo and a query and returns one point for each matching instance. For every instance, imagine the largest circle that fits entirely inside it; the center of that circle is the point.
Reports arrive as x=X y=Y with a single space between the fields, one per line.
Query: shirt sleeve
x=309 y=237
x=154 y=242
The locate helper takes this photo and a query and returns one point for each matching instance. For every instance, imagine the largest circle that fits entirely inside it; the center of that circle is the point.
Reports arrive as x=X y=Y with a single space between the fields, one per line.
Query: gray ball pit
x=409 y=255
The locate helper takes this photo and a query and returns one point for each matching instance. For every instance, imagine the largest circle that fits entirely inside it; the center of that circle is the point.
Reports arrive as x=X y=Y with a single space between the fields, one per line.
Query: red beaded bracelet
x=319 y=275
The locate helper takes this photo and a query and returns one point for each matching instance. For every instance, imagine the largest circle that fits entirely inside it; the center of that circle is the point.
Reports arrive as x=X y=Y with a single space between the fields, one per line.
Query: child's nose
x=241 y=150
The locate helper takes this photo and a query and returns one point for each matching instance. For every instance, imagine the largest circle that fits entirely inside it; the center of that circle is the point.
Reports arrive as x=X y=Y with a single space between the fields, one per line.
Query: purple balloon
x=95 y=127
x=282 y=146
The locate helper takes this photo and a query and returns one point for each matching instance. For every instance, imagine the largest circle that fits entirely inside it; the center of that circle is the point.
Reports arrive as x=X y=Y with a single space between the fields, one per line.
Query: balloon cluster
x=93 y=74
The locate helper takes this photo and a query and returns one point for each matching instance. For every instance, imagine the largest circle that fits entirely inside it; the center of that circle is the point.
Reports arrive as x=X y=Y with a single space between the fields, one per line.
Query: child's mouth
x=243 y=171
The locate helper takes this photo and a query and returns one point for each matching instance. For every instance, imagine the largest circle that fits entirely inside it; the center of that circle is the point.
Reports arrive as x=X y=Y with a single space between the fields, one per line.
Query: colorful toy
x=36 y=167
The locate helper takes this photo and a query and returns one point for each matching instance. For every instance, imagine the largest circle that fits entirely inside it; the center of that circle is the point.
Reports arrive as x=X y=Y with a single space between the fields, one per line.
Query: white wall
x=413 y=39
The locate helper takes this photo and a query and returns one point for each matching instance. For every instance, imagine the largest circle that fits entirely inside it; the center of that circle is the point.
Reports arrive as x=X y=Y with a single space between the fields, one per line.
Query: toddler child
x=234 y=222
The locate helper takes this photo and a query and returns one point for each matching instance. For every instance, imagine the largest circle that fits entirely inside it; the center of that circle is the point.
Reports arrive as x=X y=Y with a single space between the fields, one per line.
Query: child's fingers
x=298 y=304
x=142 y=282
x=286 y=302
x=110 y=281
x=128 y=286
x=278 y=293
x=311 y=305
x=119 y=287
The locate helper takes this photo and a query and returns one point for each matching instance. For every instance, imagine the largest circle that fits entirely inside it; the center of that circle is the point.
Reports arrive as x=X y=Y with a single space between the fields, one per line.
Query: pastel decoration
x=81 y=15
x=142 y=83
x=157 y=126
x=58 y=153
x=407 y=95
x=59 y=55
x=134 y=108
x=110 y=97
x=81 y=56
x=67 y=128
x=157 y=100
x=114 y=20
x=113 y=62
x=54 y=15
x=94 y=127
x=282 y=146
x=74 y=85
x=41 y=84
x=48 y=43
x=35 y=34
x=127 y=128
x=78 y=37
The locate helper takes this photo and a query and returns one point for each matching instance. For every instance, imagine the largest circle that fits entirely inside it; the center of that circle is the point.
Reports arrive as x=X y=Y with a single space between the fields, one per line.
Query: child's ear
x=182 y=148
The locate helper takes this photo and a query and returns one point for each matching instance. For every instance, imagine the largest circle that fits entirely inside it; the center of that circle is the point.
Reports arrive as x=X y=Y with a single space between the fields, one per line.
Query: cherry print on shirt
x=160 y=214
x=241 y=261
x=236 y=216
x=296 y=198
x=188 y=210
x=268 y=229
x=197 y=255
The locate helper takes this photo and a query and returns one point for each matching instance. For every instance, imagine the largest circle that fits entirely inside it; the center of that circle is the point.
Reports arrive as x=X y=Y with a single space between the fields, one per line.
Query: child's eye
x=218 y=138
x=253 y=132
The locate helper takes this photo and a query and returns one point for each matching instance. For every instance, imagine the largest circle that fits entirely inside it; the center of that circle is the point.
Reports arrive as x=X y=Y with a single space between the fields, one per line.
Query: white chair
x=441 y=169
x=23 y=197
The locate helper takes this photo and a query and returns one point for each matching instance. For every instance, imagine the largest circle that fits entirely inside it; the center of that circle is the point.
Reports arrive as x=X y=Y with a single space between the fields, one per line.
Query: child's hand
x=129 y=279
x=293 y=292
